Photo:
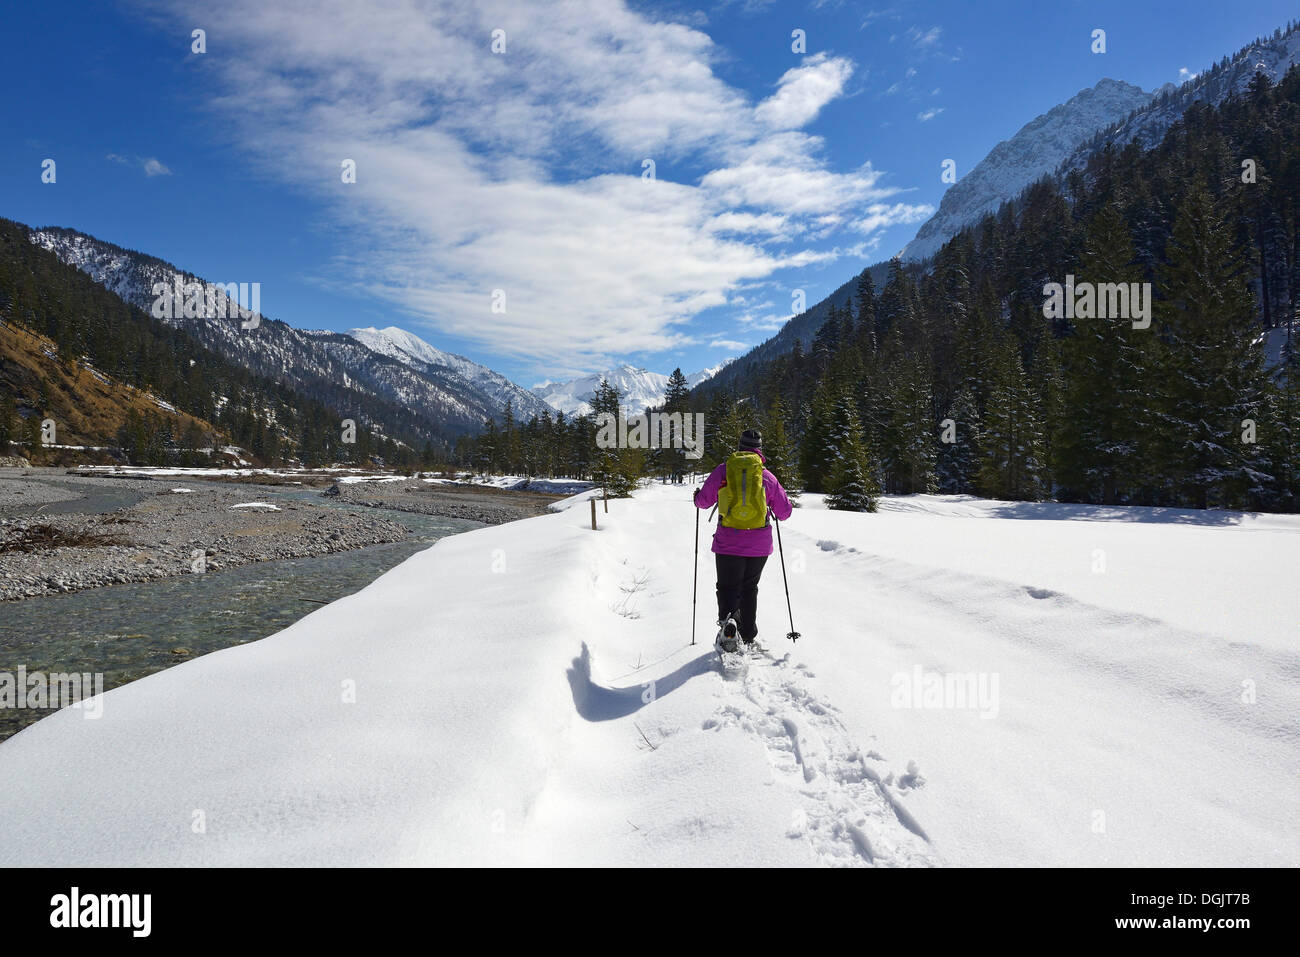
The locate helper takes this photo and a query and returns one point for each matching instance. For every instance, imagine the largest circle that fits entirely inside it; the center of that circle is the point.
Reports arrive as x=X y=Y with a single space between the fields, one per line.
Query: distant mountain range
x=393 y=381
x=639 y=388
x=397 y=382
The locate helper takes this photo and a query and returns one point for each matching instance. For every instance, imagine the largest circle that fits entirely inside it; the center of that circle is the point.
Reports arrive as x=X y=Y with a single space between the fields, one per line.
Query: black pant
x=738 y=578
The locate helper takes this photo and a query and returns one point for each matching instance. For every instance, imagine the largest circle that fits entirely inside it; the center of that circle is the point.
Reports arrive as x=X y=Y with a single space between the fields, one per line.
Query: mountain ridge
x=412 y=400
x=1037 y=149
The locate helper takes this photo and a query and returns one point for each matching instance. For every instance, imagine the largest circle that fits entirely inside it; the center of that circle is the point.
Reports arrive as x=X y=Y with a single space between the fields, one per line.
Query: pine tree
x=958 y=461
x=547 y=445
x=826 y=340
x=726 y=421
x=677 y=394
x=1284 y=451
x=865 y=302
x=1100 y=443
x=617 y=469
x=1047 y=378
x=488 y=444
x=895 y=307
x=1212 y=377
x=606 y=409
x=1011 y=466
x=818 y=448
x=668 y=459
x=852 y=486
x=511 y=440
x=779 y=450
x=909 y=444
x=581 y=437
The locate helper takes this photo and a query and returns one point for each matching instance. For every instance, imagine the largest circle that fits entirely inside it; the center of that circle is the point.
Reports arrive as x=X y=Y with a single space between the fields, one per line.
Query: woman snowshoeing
x=744 y=491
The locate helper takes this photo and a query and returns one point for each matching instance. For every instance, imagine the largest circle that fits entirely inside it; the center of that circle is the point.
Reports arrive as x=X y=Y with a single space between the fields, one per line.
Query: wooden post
x=593 y=514
x=607 y=501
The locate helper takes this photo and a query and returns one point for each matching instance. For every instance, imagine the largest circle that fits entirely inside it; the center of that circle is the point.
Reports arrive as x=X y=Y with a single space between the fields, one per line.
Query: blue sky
x=524 y=170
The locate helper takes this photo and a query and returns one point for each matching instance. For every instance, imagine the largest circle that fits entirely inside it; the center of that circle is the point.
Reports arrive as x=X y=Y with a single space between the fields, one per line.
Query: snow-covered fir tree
x=1011 y=438
x=852 y=484
x=1212 y=377
x=958 y=461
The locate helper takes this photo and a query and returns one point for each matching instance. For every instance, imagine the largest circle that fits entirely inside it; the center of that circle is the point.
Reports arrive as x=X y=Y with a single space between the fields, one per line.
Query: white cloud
x=928 y=44
x=521 y=171
x=766 y=322
x=802 y=92
x=924 y=38
x=871 y=16
x=783 y=172
x=880 y=216
x=730 y=344
x=926 y=116
x=1185 y=74
x=151 y=165
x=755 y=224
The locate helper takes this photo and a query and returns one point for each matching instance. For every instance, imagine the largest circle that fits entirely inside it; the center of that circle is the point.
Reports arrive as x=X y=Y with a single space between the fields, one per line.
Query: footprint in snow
x=848 y=813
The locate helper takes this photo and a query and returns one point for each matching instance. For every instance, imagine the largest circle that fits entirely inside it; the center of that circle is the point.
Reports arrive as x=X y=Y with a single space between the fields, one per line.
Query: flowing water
x=125 y=632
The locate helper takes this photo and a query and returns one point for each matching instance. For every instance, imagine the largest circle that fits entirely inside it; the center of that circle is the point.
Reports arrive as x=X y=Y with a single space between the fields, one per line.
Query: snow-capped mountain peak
x=412 y=351
x=1039 y=147
x=1111 y=113
x=394 y=341
x=638 y=387
x=1272 y=56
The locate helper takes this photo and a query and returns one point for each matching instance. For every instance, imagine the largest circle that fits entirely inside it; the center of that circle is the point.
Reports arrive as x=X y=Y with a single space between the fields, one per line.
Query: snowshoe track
x=844 y=809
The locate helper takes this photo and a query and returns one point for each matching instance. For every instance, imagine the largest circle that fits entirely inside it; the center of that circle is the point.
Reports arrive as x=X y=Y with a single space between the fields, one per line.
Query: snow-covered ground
x=526 y=694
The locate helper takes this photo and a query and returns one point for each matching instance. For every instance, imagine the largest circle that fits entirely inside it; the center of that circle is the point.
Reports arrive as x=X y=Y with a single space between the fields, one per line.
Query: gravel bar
x=166 y=533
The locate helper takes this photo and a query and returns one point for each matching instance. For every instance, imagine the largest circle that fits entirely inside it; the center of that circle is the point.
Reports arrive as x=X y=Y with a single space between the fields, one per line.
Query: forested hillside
x=89 y=326
x=1197 y=409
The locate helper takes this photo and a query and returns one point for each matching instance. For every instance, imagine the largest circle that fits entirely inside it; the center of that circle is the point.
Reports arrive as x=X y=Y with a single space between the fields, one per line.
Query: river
x=126 y=632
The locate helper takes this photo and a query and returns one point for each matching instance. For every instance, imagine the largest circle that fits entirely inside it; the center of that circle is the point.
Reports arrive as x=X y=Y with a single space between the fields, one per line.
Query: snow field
x=527 y=694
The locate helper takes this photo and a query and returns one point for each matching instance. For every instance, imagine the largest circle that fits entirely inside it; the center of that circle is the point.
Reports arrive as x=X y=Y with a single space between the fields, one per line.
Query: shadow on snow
x=597 y=703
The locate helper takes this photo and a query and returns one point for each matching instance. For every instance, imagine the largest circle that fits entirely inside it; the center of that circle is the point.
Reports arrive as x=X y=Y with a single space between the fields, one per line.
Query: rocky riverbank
x=24 y=489
x=168 y=533
x=476 y=503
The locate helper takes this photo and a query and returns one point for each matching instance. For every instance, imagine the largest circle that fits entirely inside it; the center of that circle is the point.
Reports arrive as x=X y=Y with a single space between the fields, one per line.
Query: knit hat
x=751 y=440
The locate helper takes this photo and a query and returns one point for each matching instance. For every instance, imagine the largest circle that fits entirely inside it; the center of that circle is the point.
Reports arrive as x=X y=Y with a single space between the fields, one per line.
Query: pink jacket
x=749 y=542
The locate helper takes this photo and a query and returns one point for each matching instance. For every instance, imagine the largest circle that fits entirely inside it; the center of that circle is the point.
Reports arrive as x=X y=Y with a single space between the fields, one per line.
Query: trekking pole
x=793 y=635
x=695 y=589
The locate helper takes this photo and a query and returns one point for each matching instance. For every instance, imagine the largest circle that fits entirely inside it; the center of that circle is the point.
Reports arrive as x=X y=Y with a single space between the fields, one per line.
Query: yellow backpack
x=742 y=502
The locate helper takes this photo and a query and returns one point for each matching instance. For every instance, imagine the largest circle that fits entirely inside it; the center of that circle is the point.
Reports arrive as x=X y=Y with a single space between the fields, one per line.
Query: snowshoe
x=728 y=635
x=727 y=644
